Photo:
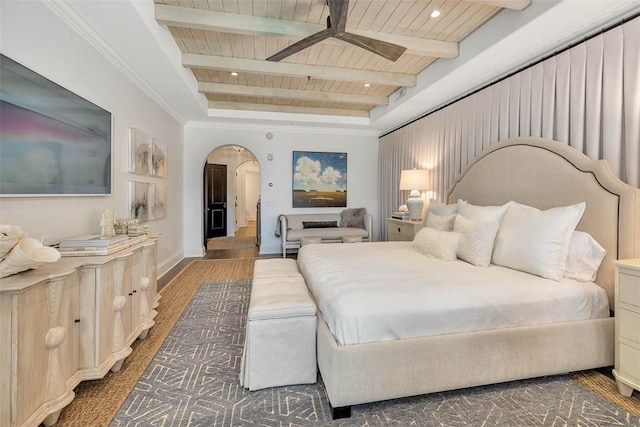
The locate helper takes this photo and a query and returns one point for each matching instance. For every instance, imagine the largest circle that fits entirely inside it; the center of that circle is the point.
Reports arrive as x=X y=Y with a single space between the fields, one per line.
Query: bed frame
x=537 y=172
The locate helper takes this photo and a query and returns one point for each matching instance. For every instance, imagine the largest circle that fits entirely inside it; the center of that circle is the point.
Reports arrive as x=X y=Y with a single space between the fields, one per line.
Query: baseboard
x=194 y=252
x=167 y=264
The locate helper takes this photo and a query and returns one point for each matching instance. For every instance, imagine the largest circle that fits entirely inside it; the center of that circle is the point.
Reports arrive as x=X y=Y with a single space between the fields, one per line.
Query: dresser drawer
x=629 y=288
x=402 y=229
x=629 y=361
x=394 y=235
x=629 y=323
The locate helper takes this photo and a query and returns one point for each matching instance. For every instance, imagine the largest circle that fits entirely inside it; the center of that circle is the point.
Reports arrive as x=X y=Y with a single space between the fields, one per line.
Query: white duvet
x=369 y=292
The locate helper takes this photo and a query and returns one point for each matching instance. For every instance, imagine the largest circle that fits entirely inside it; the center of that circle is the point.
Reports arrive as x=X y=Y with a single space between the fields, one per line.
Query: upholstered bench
x=329 y=227
x=280 y=343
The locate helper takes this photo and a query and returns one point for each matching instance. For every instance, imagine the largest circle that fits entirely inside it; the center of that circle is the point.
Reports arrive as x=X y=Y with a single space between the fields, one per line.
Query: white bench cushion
x=333 y=233
x=275 y=267
x=280 y=297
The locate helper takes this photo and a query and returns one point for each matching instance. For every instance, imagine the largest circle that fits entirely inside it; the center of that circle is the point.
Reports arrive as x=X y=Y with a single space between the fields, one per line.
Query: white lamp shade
x=414 y=179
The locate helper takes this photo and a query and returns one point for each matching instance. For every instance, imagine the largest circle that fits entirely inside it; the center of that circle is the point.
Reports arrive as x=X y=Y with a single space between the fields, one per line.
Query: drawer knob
x=398 y=229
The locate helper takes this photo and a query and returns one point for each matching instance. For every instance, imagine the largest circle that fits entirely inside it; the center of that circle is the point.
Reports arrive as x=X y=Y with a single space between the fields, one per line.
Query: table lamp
x=414 y=180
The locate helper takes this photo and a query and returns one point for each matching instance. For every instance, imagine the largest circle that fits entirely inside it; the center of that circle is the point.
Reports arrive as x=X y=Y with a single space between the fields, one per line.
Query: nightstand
x=402 y=230
x=627 y=324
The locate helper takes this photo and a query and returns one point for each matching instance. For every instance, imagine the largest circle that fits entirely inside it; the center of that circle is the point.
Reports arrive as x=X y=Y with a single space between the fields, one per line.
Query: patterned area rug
x=193 y=380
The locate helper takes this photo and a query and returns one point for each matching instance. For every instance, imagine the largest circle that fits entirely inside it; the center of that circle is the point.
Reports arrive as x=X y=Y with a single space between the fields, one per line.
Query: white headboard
x=545 y=173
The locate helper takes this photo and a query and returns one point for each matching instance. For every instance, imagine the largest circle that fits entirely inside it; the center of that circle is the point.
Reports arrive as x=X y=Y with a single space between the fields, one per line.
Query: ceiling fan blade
x=338 y=13
x=302 y=44
x=387 y=50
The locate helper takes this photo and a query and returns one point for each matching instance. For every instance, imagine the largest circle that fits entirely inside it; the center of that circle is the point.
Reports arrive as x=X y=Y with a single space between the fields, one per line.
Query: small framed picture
x=159 y=159
x=140 y=152
x=139 y=200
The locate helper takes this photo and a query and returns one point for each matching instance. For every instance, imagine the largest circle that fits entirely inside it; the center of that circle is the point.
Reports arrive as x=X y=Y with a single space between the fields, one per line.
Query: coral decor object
x=26 y=253
x=10 y=235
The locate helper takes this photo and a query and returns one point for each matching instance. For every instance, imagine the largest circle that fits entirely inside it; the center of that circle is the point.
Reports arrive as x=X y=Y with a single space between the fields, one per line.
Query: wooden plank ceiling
x=225 y=43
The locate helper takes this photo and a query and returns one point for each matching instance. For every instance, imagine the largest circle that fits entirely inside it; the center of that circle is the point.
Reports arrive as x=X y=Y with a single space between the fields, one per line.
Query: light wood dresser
x=627 y=324
x=402 y=230
x=70 y=321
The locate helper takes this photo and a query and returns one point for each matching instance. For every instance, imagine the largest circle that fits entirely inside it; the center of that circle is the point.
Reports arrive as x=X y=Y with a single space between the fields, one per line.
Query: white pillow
x=481 y=213
x=585 y=257
x=442 y=223
x=441 y=209
x=476 y=245
x=536 y=241
x=437 y=244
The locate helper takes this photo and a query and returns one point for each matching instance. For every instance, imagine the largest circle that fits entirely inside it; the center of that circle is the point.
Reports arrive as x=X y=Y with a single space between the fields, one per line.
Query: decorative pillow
x=437 y=244
x=536 y=241
x=442 y=223
x=319 y=224
x=438 y=208
x=353 y=217
x=481 y=213
x=476 y=245
x=585 y=257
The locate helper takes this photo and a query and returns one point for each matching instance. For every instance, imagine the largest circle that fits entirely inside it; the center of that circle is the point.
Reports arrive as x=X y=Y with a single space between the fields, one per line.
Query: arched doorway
x=231 y=180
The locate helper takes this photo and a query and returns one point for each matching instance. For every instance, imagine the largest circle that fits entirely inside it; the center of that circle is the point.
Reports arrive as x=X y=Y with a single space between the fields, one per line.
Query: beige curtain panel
x=587 y=96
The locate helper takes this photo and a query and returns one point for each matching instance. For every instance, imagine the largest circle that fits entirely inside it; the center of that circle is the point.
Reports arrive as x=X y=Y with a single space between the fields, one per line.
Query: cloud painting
x=319 y=179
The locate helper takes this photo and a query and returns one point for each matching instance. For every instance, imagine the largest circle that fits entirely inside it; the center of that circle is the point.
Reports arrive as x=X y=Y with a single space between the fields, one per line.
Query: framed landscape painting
x=319 y=179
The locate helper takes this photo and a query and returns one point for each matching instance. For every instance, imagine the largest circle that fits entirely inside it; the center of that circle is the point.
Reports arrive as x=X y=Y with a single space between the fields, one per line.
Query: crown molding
x=77 y=22
x=330 y=129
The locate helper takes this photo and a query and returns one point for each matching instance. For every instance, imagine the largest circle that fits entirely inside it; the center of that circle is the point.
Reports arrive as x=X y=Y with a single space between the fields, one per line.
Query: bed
x=363 y=367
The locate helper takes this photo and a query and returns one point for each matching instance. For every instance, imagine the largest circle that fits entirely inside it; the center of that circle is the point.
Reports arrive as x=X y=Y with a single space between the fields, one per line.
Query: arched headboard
x=545 y=173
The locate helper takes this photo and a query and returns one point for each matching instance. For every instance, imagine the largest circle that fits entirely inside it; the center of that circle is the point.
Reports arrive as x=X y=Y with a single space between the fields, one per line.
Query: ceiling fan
x=336 y=28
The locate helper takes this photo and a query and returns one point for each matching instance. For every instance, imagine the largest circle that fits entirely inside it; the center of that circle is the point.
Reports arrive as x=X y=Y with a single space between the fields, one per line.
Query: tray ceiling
x=218 y=38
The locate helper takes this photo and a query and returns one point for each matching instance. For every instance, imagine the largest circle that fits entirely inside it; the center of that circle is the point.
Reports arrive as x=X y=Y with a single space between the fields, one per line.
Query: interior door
x=215 y=201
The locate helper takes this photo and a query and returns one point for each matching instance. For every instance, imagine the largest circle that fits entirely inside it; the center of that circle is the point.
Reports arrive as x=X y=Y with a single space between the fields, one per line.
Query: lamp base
x=415 y=205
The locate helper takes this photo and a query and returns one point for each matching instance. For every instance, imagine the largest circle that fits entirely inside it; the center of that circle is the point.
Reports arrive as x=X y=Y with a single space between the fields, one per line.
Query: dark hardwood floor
x=249 y=252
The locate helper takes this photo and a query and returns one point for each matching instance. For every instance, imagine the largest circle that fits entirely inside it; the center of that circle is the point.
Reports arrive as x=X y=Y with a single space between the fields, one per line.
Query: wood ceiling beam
x=207 y=20
x=507 y=4
x=302 y=95
x=286 y=109
x=211 y=62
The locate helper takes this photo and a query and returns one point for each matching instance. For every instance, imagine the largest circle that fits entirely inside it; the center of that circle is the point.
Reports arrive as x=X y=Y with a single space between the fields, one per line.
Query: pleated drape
x=587 y=97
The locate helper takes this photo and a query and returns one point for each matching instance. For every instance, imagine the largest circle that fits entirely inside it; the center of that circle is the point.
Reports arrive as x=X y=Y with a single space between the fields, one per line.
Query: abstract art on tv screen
x=319 y=179
x=52 y=141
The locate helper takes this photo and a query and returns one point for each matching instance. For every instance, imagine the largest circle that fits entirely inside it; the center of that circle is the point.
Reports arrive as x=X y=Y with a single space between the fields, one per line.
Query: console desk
x=70 y=321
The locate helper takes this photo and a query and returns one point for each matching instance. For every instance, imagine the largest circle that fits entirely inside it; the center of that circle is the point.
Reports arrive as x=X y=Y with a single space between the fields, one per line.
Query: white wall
x=200 y=138
x=252 y=194
x=34 y=36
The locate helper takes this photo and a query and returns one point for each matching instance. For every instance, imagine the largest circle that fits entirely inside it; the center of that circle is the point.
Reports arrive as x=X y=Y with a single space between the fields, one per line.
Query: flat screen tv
x=52 y=141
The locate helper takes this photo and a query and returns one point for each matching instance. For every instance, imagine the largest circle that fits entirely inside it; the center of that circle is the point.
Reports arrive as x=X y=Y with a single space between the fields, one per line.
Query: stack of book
x=88 y=245
x=400 y=215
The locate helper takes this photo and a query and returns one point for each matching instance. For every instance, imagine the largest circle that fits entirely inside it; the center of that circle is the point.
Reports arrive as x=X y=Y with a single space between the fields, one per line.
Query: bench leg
x=340 y=412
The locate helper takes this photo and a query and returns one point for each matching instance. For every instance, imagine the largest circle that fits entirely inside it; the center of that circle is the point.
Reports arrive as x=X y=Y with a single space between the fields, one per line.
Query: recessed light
x=234 y=74
x=367 y=85
x=435 y=13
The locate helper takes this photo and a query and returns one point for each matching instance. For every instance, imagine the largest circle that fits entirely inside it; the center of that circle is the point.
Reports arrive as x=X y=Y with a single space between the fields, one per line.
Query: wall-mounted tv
x=52 y=141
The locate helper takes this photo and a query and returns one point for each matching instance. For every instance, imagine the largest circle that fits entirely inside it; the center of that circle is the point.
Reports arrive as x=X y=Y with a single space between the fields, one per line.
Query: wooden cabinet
x=627 y=326
x=70 y=321
x=39 y=330
x=402 y=230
